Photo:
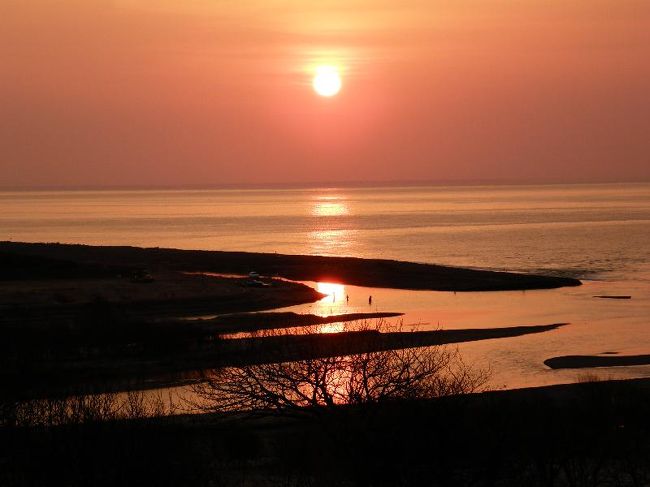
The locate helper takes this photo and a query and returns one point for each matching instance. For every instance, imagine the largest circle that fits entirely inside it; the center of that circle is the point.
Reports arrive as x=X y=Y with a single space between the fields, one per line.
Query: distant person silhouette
x=369 y=300
x=347 y=298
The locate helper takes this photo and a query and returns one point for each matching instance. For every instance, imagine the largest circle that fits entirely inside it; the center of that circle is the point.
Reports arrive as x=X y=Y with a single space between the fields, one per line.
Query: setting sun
x=327 y=81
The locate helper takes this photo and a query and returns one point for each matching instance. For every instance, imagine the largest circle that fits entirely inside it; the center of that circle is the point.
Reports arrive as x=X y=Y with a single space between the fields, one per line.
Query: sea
x=599 y=233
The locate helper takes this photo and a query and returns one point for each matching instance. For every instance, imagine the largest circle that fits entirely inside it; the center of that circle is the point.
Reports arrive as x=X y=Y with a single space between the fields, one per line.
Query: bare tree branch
x=308 y=386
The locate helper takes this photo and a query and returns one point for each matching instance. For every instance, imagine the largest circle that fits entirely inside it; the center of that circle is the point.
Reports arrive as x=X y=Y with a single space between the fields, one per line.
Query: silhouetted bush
x=307 y=386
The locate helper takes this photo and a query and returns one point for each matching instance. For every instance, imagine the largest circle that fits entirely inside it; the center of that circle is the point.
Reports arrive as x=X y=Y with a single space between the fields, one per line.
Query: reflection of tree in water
x=314 y=384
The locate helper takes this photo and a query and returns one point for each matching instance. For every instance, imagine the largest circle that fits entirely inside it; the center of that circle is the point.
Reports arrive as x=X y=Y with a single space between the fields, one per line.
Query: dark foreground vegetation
x=354 y=271
x=588 y=434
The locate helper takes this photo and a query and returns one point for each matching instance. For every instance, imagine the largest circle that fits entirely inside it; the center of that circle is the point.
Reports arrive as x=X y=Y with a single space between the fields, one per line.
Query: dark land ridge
x=164 y=354
x=251 y=322
x=287 y=348
x=585 y=434
x=585 y=361
x=79 y=260
x=170 y=294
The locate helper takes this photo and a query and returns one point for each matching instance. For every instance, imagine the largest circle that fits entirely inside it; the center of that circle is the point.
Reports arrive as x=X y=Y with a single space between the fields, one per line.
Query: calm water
x=600 y=233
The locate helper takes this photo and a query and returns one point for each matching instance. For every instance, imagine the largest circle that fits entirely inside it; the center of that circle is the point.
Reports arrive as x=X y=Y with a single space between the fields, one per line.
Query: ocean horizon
x=352 y=221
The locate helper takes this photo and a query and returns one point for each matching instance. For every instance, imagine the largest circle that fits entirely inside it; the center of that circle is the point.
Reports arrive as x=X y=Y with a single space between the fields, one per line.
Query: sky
x=151 y=93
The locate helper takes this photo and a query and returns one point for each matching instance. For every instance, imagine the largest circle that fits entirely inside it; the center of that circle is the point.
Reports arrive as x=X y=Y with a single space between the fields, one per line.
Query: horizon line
x=311 y=185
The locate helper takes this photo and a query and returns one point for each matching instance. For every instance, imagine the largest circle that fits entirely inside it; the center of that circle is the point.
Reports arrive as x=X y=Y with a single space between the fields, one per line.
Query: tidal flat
x=96 y=318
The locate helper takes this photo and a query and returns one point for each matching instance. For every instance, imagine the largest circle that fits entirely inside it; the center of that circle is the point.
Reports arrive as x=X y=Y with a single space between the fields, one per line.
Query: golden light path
x=328 y=235
x=336 y=298
x=330 y=205
x=330 y=208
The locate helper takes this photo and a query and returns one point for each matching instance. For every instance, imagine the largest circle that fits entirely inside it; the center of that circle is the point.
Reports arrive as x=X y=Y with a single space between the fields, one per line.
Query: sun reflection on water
x=331 y=289
x=330 y=233
x=331 y=242
x=330 y=205
x=335 y=302
x=330 y=208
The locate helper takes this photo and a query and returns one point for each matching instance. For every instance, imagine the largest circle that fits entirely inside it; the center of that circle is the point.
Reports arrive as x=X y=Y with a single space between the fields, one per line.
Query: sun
x=327 y=81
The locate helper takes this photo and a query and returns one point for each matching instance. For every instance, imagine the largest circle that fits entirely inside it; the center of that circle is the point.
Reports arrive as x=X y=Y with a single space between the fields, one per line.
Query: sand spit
x=353 y=271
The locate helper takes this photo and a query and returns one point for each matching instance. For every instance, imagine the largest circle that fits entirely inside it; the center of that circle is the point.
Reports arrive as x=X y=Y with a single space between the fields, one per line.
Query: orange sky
x=210 y=92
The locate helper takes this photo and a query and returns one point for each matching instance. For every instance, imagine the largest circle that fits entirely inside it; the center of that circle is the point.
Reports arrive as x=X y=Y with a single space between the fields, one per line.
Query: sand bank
x=585 y=361
x=250 y=322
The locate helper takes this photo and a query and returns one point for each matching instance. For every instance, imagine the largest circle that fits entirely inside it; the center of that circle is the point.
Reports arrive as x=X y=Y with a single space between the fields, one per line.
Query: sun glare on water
x=327 y=81
x=331 y=289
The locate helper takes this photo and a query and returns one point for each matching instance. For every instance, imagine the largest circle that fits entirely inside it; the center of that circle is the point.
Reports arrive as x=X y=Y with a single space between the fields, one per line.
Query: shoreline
x=381 y=273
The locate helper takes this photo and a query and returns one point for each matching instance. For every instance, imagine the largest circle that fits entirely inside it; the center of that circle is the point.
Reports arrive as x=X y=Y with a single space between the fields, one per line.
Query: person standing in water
x=369 y=300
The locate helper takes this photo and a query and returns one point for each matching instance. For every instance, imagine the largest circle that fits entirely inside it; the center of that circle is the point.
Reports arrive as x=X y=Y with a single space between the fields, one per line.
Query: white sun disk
x=327 y=81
